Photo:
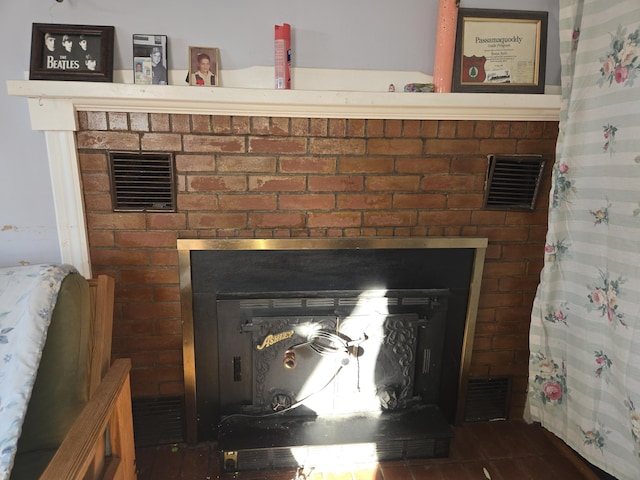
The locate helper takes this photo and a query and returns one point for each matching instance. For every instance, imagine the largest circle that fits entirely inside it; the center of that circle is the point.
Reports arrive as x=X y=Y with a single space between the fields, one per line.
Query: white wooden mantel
x=53 y=107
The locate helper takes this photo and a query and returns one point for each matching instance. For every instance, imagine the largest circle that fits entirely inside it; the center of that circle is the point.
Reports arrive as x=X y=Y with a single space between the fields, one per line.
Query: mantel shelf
x=53 y=103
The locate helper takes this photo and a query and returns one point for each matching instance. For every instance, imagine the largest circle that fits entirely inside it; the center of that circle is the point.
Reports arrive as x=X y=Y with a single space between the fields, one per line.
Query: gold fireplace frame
x=186 y=246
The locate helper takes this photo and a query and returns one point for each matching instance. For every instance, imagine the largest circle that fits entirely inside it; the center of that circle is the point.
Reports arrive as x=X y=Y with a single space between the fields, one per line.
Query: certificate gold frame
x=500 y=51
x=211 y=76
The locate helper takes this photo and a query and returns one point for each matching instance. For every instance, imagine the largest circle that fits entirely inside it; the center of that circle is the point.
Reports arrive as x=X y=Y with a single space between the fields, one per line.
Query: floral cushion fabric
x=27 y=298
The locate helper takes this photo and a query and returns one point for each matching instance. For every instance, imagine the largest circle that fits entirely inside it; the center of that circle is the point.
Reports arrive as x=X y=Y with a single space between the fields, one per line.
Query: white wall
x=353 y=34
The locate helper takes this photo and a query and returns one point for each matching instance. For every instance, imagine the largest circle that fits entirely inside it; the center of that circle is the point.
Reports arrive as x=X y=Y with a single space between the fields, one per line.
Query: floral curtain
x=584 y=369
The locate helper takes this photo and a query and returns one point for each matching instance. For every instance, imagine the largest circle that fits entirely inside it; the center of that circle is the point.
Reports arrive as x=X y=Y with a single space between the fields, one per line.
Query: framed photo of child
x=203 y=66
x=150 y=59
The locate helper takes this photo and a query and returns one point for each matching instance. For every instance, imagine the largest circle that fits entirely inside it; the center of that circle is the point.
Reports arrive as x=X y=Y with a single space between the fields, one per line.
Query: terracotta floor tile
x=373 y=473
x=540 y=468
x=507 y=450
x=465 y=446
x=144 y=461
x=507 y=469
x=455 y=471
x=537 y=440
x=167 y=463
x=561 y=468
x=215 y=466
x=500 y=439
x=512 y=438
x=396 y=472
x=477 y=469
x=426 y=472
x=195 y=461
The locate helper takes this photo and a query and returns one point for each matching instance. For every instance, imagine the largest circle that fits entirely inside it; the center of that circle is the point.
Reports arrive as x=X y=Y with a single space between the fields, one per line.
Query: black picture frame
x=150 y=62
x=89 y=56
x=500 y=51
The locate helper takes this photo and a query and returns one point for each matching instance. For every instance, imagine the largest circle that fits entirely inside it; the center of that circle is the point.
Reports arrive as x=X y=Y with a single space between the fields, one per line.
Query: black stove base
x=250 y=443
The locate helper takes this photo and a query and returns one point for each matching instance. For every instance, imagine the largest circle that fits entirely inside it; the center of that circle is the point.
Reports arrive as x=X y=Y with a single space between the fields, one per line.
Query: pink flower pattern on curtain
x=584 y=367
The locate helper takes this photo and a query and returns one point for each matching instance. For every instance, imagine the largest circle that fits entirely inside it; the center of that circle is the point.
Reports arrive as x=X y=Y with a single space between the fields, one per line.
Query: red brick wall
x=263 y=177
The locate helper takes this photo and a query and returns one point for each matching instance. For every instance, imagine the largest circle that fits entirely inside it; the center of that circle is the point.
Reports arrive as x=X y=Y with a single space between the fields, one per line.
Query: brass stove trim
x=186 y=246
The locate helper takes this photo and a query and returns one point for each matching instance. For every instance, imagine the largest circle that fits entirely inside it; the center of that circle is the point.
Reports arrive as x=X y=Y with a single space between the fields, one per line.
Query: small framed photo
x=150 y=59
x=203 y=63
x=500 y=51
x=71 y=52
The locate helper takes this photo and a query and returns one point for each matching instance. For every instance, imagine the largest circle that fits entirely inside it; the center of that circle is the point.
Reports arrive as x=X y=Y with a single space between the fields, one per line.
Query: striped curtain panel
x=584 y=367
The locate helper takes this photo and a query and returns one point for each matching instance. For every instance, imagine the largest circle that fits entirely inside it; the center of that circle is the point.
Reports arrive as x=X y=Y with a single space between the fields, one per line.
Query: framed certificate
x=500 y=51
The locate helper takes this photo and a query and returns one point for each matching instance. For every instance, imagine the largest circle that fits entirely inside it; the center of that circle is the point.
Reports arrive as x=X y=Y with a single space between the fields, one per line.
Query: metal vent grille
x=157 y=421
x=251 y=460
x=424 y=448
x=513 y=182
x=389 y=450
x=487 y=399
x=142 y=182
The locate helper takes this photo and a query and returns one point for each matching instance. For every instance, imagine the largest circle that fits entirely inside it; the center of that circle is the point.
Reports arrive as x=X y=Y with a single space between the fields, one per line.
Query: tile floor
x=508 y=450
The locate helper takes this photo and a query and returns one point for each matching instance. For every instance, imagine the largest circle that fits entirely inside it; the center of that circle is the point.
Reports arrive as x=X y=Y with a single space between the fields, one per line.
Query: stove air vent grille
x=513 y=182
x=487 y=399
x=142 y=182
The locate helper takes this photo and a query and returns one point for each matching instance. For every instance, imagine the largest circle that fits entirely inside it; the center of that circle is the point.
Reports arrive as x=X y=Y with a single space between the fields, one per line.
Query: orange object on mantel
x=445 y=45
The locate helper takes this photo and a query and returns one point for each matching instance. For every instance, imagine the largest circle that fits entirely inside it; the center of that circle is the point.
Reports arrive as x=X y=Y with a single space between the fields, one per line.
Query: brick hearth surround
x=268 y=177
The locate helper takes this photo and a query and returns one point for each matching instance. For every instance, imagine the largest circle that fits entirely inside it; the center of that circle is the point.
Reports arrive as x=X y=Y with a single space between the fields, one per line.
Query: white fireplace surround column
x=53 y=107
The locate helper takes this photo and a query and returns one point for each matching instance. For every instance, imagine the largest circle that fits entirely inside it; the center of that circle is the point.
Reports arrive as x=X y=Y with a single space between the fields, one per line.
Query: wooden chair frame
x=100 y=443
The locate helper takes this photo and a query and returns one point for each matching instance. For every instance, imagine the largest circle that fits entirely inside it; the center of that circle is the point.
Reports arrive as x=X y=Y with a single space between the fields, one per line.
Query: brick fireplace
x=283 y=177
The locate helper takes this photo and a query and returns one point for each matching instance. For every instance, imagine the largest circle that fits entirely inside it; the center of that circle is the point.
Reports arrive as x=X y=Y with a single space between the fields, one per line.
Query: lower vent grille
x=487 y=399
x=157 y=421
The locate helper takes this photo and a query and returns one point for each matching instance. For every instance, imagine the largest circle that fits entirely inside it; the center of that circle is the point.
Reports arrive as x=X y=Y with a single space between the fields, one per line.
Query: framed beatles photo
x=203 y=69
x=150 y=59
x=500 y=51
x=71 y=52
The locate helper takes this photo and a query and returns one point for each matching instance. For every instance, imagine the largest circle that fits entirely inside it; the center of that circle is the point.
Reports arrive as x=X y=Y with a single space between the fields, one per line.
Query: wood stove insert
x=302 y=347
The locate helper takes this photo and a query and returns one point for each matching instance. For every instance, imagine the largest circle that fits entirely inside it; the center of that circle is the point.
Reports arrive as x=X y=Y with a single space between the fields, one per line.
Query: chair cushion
x=61 y=388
